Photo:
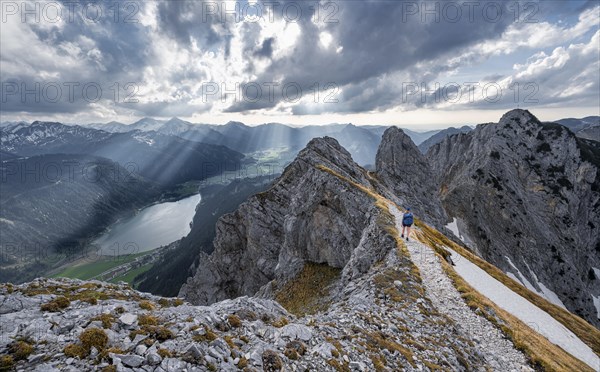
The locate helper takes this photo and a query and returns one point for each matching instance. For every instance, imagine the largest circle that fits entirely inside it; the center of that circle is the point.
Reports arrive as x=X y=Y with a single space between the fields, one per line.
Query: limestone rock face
x=308 y=215
x=527 y=196
x=406 y=172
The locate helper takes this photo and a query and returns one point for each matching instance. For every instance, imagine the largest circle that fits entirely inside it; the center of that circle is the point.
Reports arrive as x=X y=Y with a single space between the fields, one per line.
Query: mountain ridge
x=523 y=193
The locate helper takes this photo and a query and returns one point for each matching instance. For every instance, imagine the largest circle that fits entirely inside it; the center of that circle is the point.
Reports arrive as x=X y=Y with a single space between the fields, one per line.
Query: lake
x=152 y=227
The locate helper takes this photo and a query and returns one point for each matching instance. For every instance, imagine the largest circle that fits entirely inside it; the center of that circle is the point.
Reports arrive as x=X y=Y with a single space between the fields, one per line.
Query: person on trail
x=407 y=221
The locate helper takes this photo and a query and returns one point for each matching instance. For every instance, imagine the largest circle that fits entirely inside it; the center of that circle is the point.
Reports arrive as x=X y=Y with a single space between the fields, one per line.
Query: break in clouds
x=181 y=58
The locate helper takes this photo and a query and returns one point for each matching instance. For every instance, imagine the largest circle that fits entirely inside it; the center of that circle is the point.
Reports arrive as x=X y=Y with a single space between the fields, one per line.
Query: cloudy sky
x=417 y=64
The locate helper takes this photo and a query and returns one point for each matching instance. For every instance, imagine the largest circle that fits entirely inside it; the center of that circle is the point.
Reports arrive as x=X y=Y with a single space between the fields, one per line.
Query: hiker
x=407 y=221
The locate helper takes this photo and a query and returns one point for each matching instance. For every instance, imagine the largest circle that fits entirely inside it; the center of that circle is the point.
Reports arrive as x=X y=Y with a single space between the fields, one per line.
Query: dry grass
x=75 y=351
x=280 y=322
x=20 y=350
x=170 y=302
x=106 y=319
x=74 y=292
x=305 y=294
x=6 y=363
x=93 y=337
x=379 y=362
x=208 y=335
x=376 y=341
x=148 y=320
x=56 y=305
x=164 y=353
x=147 y=305
x=234 y=321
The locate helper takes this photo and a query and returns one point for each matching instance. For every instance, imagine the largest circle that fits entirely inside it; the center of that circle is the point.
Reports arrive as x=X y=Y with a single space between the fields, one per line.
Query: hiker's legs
x=403 y=227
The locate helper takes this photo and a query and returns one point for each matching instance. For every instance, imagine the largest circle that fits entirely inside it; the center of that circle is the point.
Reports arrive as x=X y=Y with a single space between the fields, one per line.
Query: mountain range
x=500 y=272
x=523 y=194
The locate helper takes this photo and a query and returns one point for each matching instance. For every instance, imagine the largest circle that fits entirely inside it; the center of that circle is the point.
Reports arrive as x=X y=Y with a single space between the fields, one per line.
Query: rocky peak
x=313 y=213
x=526 y=195
x=327 y=147
x=328 y=151
x=519 y=117
x=402 y=167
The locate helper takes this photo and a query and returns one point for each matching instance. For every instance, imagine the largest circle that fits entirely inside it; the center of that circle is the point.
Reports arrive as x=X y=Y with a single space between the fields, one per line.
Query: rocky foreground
x=380 y=321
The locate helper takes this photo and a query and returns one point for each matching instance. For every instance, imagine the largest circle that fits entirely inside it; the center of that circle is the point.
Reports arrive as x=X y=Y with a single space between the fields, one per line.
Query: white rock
x=324 y=350
x=131 y=360
x=128 y=318
x=141 y=349
x=296 y=331
x=153 y=359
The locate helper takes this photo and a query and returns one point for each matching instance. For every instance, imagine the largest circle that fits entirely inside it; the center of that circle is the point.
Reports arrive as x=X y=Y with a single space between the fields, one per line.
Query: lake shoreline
x=155 y=219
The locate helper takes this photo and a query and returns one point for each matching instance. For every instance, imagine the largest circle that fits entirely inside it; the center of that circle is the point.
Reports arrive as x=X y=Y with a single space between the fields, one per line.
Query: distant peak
x=176 y=120
x=38 y=122
x=236 y=124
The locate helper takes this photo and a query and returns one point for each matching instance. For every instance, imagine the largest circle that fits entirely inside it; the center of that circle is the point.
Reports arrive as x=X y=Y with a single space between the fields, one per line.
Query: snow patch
x=453 y=226
x=144 y=139
x=541 y=289
x=597 y=272
x=546 y=292
x=551 y=296
x=4 y=220
x=597 y=304
x=524 y=310
x=522 y=279
x=513 y=277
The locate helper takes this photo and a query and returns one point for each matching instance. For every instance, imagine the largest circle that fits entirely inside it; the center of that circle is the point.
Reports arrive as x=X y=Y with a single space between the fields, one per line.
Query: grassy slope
x=101 y=264
x=130 y=276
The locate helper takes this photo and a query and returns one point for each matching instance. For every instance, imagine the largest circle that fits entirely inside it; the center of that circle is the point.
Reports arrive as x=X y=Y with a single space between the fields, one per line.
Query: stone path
x=498 y=351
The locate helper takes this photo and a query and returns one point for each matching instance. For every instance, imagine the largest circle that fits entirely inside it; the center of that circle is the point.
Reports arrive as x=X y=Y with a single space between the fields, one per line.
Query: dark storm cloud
x=187 y=21
x=379 y=38
x=118 y=34
x=108 y=45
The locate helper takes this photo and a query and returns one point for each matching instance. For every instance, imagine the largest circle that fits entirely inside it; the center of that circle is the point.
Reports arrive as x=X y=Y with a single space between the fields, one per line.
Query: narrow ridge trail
x=498 y=351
